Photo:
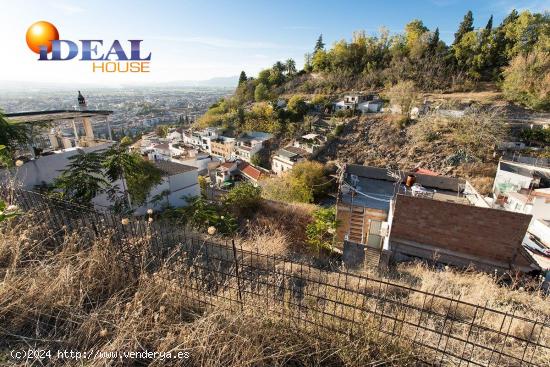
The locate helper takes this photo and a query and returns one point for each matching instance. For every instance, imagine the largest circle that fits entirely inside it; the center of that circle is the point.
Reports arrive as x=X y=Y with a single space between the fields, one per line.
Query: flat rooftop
x=169 y=168
x=375 y=187
x=54 y=115
x=526 y=170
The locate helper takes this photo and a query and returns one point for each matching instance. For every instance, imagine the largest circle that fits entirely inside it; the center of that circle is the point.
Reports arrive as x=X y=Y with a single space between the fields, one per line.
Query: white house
x=45 y=169
x=536 y=203
x=174 y=135
x=179 y=181
x=163 y=151
x=341 y=105
x=516 y=177
x=285 y=158
x=356 y=101
x=370 y=106
x=541 y=204
x=202 y=161
x=250 y=143
x=201 y=138
x=311 y=142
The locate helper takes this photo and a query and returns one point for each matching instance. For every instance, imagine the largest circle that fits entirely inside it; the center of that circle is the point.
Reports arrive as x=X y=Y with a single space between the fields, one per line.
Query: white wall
x=279 y=165
x=45 y=169
x=512 y=178
x=541 y=208
x=540 y=230
x=180 y=186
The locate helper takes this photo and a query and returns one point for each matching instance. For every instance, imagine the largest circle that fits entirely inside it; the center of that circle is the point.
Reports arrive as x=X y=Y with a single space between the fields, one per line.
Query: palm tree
x=279 y=66
x=83 y=179
x=137 y=175
x=290 y=66
x=116 y=162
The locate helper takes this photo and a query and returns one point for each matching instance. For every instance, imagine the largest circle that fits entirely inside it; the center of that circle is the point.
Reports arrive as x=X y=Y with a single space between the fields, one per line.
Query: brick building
x=459 y=234
x=409 y=214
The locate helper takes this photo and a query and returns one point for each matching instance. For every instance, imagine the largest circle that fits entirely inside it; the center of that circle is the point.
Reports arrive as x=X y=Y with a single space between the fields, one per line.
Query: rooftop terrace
x=374 y=187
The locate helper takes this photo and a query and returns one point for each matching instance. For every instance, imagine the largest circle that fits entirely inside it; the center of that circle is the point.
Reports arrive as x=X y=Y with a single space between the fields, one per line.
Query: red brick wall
x=490 y=234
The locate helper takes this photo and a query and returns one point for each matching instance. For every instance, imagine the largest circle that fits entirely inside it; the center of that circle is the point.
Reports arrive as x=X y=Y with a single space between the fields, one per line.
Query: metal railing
x=526 y=159
x=442 y=330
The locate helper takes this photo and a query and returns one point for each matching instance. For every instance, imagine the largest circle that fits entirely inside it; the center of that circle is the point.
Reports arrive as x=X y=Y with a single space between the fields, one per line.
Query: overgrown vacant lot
x=104 y=295
x=101 y=297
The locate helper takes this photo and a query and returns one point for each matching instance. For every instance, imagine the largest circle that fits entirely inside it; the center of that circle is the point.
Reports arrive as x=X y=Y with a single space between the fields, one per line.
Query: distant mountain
x=222 y=82
x=219 y=82
x=16 y=85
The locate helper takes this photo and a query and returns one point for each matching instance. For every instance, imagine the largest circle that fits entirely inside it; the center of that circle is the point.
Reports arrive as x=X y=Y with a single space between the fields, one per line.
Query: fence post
x=237 y=271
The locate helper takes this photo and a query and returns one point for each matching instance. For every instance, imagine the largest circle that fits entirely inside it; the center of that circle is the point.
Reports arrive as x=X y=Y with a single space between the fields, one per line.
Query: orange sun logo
x=41 y=33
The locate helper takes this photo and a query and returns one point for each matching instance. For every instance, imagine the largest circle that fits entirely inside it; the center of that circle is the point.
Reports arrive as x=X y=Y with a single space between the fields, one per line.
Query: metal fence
x=526 y=159
x=443 y=330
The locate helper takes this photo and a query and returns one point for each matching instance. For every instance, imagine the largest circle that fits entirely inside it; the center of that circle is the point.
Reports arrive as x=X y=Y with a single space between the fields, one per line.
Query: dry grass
x=283 y=220
x=103 y=296
x=474 y=287
x=80 y=294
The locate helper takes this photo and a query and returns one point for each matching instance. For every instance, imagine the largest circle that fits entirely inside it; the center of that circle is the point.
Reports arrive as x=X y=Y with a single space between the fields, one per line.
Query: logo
x=119 y=57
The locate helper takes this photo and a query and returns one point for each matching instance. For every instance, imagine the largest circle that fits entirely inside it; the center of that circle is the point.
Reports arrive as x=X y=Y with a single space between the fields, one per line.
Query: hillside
x=499 y=70
x=378 y=141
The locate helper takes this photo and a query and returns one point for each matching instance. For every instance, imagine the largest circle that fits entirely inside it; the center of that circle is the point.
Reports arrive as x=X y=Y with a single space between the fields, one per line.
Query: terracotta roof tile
x=251 y=171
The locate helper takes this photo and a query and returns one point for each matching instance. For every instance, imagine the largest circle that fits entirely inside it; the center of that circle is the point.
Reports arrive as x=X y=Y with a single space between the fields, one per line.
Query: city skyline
x=200 y=41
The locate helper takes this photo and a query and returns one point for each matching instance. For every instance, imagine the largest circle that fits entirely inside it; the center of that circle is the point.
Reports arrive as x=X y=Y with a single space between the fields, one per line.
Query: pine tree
x=242 y=78
x=319 y=45
x=466 y=26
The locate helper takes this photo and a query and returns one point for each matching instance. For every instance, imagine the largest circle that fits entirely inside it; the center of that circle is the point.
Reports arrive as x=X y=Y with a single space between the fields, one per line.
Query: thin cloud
x=506 y=6
x=68 y=9
x=225 y=42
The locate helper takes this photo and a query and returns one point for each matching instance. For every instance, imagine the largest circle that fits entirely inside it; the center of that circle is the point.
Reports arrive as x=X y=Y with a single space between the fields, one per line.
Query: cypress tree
x=434 y=41
x=489 y=25
x=242 y=78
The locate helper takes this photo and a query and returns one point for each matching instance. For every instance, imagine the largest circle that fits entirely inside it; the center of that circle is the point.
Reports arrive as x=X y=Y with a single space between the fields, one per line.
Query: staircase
x=356 y=225
x=372 y=257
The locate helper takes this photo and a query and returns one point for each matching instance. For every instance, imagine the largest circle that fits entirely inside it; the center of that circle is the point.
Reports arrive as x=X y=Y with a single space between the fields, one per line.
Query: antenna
x=396 y=175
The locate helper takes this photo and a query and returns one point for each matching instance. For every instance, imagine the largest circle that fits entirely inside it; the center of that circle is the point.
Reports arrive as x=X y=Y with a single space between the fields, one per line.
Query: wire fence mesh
x=443 y=330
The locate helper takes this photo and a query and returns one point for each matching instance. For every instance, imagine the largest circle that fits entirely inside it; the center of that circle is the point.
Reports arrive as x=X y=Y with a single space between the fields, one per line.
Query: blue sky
x=194 y=40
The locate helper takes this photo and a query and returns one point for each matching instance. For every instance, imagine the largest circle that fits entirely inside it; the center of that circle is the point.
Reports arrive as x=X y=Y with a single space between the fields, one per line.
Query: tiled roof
x=251 y=171
x=424 y=171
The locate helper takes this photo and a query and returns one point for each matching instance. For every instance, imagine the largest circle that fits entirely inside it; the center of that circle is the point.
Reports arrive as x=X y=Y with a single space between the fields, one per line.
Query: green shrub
x=320 y=233
x=243 y=198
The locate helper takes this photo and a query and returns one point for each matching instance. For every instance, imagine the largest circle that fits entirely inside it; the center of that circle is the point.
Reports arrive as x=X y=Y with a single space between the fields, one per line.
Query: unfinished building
x=384 y=213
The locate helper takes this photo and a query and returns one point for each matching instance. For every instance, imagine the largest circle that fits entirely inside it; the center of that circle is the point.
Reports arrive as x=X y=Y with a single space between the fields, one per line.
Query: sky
x=198 y=40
